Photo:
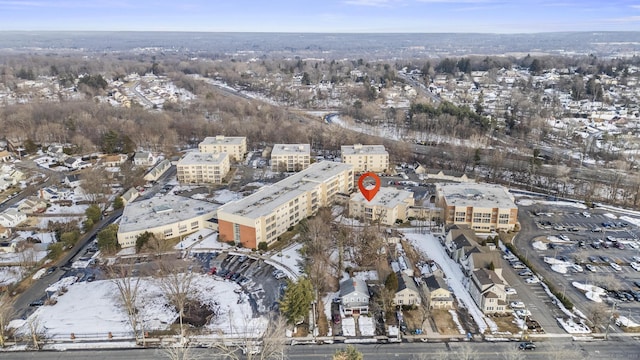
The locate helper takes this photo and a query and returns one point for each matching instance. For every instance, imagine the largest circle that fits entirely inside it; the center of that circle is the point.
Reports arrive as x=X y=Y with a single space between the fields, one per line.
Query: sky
x=323 y=16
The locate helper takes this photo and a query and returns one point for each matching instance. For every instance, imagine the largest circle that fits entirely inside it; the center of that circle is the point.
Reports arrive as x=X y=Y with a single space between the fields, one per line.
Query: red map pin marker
x=369 y=193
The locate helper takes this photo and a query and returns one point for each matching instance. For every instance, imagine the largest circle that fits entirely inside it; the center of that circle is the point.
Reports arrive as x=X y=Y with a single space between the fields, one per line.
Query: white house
x=11 y=218
x=72 y=180
x=354 y=295
x=143 y=158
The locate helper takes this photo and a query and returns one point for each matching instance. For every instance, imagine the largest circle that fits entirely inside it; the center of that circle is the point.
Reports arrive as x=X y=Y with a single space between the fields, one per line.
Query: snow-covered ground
x=592 y=292
x=94 y=309
x=431 y=248
x=572 y=327
x=529 y=202
x=225 y=196
x=367 y=327
x=289 y=257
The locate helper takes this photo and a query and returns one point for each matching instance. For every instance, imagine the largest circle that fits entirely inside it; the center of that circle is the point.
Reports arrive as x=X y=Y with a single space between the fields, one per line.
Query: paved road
x=409 y=351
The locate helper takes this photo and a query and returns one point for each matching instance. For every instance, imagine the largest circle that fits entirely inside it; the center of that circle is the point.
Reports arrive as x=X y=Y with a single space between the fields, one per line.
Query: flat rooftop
x=476 y=195
x=363 y=149
x=386 y=197
x=290 y=149
x=162 y=210
x=196 y=157
x=223 y=140
x=270 y=197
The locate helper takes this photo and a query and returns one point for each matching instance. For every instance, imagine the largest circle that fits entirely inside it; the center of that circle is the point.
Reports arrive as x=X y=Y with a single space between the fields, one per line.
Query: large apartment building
x=483 y=207
x=365 y=157
x=290 y=157
x=166 y=217
x=266 y=214
x=235 y=146
x=388 y=206
x=203 y=168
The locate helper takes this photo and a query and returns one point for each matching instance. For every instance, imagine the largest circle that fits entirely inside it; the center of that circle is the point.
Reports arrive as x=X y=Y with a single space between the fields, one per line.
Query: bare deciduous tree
x=6 y=314
x=127 y=285
x=175 y=282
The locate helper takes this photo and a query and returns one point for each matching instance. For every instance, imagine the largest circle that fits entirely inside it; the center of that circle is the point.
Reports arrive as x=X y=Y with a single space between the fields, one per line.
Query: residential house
x=407 y=293
x=5 y=232
x=438 y=296
x=143 y=158
x=32 y=205
x=5 y=156
x=157 y=171
x=487 y=290
x=486 y=258
x=12 y=217
x=55 y=150
x=459 y=241
x=114 y=160
x=354 y=295
x=130 y=195
x=72 y=180
x=72 y=163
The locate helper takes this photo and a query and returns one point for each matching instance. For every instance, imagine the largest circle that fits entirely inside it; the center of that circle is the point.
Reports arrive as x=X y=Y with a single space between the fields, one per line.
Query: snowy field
x=94 y=309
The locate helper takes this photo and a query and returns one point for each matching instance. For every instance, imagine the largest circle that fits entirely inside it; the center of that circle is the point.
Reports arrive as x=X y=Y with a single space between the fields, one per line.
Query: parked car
x=605 y=259
x=523 y=313
x=37 y=303
x=615 y=266
x=51 y=270
x=590 y=267
x=91 y=277
x=518 y=265
x=517 y=305
x=525 y=273
x=510 y=291
x=528 y=345
x=532 y=280
x=635 y=266
x=593 y=259
x=336 y=319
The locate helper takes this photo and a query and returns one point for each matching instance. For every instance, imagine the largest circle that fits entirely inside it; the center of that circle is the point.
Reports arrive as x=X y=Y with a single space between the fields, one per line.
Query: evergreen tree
x=296 y=300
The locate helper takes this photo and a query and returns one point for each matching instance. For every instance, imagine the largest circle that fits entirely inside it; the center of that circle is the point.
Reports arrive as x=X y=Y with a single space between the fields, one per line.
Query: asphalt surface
x=564 y=217
x=552 y=349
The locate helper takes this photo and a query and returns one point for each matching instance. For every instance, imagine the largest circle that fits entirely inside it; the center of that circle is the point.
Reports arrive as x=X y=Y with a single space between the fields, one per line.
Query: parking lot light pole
x=613 y=309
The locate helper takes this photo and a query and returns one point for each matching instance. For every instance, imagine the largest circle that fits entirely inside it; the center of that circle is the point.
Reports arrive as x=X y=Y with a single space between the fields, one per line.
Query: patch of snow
x=572 y=327
x=225 y=196
x=348 y=326
x=367 y=327
x=428 y=245
x=454 y=316
x=539 y=245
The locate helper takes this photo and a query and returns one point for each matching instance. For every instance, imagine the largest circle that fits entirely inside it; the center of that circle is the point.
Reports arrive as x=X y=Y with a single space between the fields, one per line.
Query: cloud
x=375 y=3
x=627 y=19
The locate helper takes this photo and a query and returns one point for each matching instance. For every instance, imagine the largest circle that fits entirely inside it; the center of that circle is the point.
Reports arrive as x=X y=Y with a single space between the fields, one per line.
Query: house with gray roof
x=407 y=293
x=354 y=295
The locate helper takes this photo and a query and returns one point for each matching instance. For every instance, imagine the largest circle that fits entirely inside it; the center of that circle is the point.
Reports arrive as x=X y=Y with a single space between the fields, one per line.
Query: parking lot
x=261 y=284
x=604 y=248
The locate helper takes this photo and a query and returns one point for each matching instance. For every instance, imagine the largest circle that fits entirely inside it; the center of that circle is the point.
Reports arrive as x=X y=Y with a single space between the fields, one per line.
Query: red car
x=213 y=270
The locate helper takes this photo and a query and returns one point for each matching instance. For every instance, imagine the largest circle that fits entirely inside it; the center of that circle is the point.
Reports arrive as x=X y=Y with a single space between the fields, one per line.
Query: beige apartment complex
x=203 y=168
x=483 y=207
x=166 y=217
x=388 y=206
x=235 y=146
x=365 y=157
x=290 y=157
x=266 y=214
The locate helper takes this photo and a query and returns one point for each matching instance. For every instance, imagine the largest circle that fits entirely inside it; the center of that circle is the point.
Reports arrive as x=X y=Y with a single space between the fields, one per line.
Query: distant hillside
x=326 y=45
